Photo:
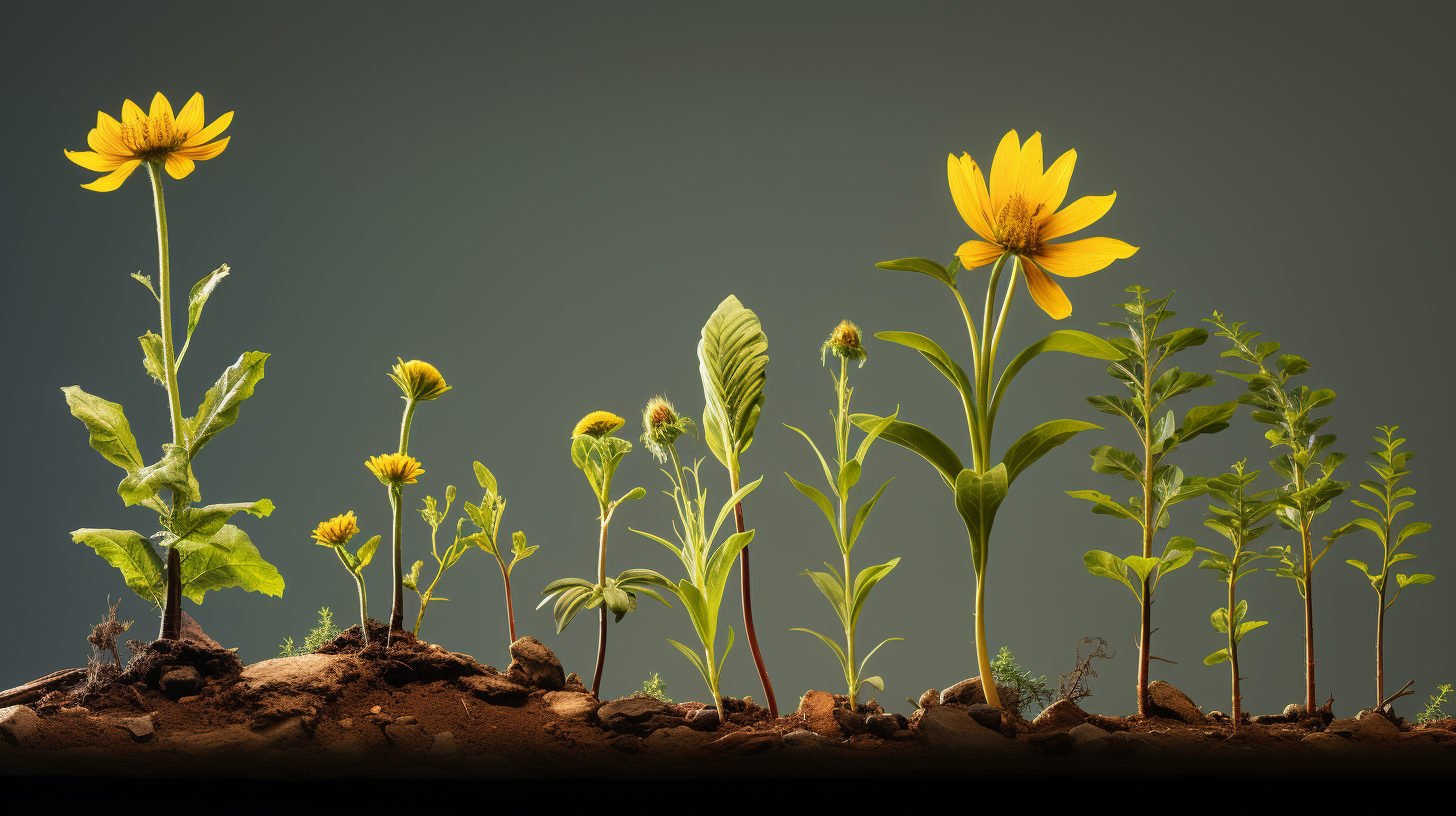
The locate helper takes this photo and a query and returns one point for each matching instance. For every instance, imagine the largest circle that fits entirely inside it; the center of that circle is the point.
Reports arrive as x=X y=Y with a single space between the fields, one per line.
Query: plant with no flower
x=203 y=551
x=1021 y=687
x=316 y=639
x=1391 y=468
x=1435 y=708
x=1074 y=686
x=335 y=533
x=708 y=567
x=655 y=688
x=1016 y=217
x=1146 y=349
x=1310 y=483
x=1237 y=521
x=733 y=364
x=846 y=592
x=434 y=517
x=487 y=518
x=104 y=634
x=597 y=453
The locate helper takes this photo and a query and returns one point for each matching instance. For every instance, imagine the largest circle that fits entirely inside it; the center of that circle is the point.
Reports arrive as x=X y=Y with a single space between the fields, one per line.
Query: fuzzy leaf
x=141 y=567
x=220 y=405
x=110 y=432
x=233 y=562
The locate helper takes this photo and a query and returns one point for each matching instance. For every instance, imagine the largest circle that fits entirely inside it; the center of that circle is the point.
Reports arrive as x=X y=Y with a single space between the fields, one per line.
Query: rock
x=141 y=728
x=532 y=664
x=1061 y=714
x=18 y=724
x=816 y=710
x=747 y=742
x=1217 y=716
x=630 y=714
x=572 y=704
x=444 y=744
x=1266 y=719
x=931 y=697
x=953 y=729
x=966 y=692
x=852 y=722
x=987 y=715
x=307 y=673
x=573 y=683
x=407 y=734
x=1373 y=725
x=800 y=738
x=1088 y=737
x=494 y=688
x=885 y=726
x=676 y=739
x=1167 y=701
x=1293 y=712
x=184 y=681
x=1052 y=743
x=704 y=719
x=406 y=720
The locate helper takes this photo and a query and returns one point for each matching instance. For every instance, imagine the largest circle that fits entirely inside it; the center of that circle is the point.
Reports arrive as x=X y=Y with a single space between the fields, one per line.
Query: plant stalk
x=602 y=582
x=396 y=610
x=1233 y=647
x=363 y=597
x=1145 y=631
x=510 y=608
x=749 y=632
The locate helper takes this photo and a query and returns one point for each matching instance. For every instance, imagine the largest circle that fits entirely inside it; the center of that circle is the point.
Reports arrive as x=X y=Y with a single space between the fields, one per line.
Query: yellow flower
x=1018 y=214
x=337 y=531
x=845 y=342
x=157 y=137
x=394 y=468
x=598 y=424
x=418 y=379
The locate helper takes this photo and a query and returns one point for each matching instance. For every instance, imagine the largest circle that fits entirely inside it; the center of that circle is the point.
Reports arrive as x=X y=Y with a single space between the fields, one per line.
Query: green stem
x=396 y=612
x=983 y=656
x=363 y=597
x=602 y=582
x=404 y=425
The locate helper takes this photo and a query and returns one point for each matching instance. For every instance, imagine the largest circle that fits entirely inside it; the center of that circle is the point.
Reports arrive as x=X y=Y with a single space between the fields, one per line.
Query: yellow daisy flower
x=176 y=142
x=1018 y=214
x=418 y=379
x=337 y=531
x=394 y=468
x=598 y=424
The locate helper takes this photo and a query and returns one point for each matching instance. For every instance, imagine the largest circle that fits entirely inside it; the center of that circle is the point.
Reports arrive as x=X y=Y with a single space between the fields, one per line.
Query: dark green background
x=547 y=203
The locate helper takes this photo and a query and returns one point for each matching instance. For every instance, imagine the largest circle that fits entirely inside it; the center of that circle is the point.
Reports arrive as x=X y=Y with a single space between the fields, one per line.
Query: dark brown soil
x=415 y=709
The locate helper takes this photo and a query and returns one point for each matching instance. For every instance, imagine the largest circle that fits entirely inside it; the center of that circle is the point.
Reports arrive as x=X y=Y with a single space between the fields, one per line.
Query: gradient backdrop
x=548 y=201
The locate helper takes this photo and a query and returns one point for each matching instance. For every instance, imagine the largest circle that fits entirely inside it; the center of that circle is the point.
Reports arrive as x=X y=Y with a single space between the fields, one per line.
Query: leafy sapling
x=1310 y=483
x=487 y=519
x=597 y=453
x=1161 y=484
x=335 y=533
x=434 y=517
x=316 y=639
x=1238 y=521
x=1019 y=687
x=1390 y=466
x=846 y=592
x=1435 y=708
x=708 y=567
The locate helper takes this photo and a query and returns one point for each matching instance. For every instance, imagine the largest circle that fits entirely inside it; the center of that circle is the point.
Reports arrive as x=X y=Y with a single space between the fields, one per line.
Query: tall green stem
x=396 y=611
x=1233 y=645
x=602 y=581
x=1145 y=628
x=363 y=597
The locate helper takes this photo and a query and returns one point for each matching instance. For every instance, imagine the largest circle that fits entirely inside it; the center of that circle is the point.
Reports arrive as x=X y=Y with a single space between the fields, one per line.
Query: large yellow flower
x=158 y=136
x=337 y=531
x=394 y=469
x=1018 y=214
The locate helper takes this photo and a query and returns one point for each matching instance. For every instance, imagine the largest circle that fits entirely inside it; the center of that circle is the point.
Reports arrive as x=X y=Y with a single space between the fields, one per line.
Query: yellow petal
x=978 y=253
x=1076 y=258
x=107 y=183
x=190 y=120
x=131 y=113
x=1005 y=167
x=178 y=166
x=1080 y=213
x=210 y=132
x=103 y=142
x=1030 y=174
x=1045 y=291
x=1051 y=191
x=94 y=161
x=966 y=201
x=161 y=109
x=978 y=187
x=202 y=152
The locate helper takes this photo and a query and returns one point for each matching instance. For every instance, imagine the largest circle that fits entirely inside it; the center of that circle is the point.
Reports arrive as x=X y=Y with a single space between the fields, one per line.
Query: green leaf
x=823 y=502
x=1205 y=419
x=978 y=497
x=872 y=432
x=1105 y=505
x=1216 y=658
x=146 y=280
x=1220 y=620
x=110 y=432
x=697 y=661
x=1104 y=564
x=172 y=472
x=201 y=291
x=924 y=266
x=832 y=591
x=943 y=363
x=918 y=440
x=233 y=562
x=733 y=364
x=1414 y=528
x=1068 y=340
x=838 y=652
x=864 y=514
x=1245 y=627
x=141 y=567
x=865 y=582
x=197 y=525
x=220 y=405
x=1142 y=566
x=632 y=495
x=1419 y=578
x=1178 y=552
x=153 y=357
x=487 y=479
x=519 y=550
x=848 y=476
x=366 y=552
x=1175 y=342
x=1110 y=460
x=1035 y=444
x=411 y=579
x=828 y=476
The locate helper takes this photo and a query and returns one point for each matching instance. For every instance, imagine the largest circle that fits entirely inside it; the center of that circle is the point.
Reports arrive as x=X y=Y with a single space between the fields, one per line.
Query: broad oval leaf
x=220 y=405
x=110 y=432
x=733 y=365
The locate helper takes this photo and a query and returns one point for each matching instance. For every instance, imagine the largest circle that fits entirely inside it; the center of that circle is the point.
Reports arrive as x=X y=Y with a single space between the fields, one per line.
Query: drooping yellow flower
x=1018 y=214
x=118 y=148
x=394 y=468
x=418 y=379
x=844 y=342
x=337 y=531
x=598 y=424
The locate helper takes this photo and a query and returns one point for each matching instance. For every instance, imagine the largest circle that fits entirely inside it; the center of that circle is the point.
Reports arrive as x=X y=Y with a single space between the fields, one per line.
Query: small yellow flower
x=337 y=531
x=418 y=380
x=598 y=424
x=661 y=426
x=1018 y=214
x=157 y=137
x=394 y=468
x=846 y=343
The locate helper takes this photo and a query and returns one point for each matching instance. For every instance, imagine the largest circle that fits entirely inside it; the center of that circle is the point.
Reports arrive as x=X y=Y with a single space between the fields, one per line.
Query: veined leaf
x=487 y=479
x=197 y=525
x=153 y=357
x=1216 y=658
x=234 y=562
x=220 y=405
x=733 y=364
x=1245 y=627
x=110 y=432
x=172 y=472
x=978 y=496
x=366 y=552
x=141 y=567
x=1110 y=460
x=919 y=440
x=1068 y=340
x=1404 y=581
x=832 y=591
x=823 y=502
x=1104 y=564
x=1038 y=441
x=201 y=291
x=1205 y=419
x=924 y=266
x=1105 y=505
x=943 y=363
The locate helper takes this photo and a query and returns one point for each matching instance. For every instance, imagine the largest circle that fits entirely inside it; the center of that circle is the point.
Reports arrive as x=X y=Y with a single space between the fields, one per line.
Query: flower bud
x=661 y=426
x=418 y=380
x=845 y=343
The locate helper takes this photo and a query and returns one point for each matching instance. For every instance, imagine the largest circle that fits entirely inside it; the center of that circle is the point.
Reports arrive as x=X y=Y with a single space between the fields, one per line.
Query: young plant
x=316 y=638
x=708 y=567
x=597 y=453
x=1146 y=348
x=336 y=533
x=487 y=518
x=1016 y=219
x=846 y=592
x=434 y=517
x=1391 y=468
x=420 y=382
x=1238 y=522
x=655 y=688
x=1435 y=708
x=203 y=551
x=1310 y=483
x=733 y=364
x=1022 y=688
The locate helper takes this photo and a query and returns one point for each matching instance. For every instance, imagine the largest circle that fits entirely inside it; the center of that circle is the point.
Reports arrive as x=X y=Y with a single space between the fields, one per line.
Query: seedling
x=847 y=593
x=1161 y=485
x=434 y=517
x=1435 y=709
x=1310 y=483
x=597 y=453
x=1238 y=522
x=335 y=533
x=1016 y=217
x=655 y=688
x=1391 y=468
x=487 y=519
x=203 y=551
x=1021 y=687
x=316 y=639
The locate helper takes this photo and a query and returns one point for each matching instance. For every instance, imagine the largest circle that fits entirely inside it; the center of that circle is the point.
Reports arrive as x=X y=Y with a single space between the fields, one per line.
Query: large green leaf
x=733 y=364
x=172 y=472
x=943 y=363
x=220 y=405
x=865 y=582
x=110 y=432
x=1104 y=564
x=233 y=562
x=978 y=496
x=1205 y=419
x=130 y=552
x=924 y=266
x=197 y=525
x=1105 y=505
x=919 y=440
x=1068 y=340
x=1035 y=443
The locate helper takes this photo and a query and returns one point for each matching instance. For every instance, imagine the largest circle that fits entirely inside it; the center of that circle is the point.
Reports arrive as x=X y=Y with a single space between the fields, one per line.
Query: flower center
x=661 y=415
x=152 y=139
x=1016 y=225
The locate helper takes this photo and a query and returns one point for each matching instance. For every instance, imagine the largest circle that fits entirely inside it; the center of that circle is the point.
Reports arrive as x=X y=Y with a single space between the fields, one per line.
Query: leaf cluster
x=1390 y=465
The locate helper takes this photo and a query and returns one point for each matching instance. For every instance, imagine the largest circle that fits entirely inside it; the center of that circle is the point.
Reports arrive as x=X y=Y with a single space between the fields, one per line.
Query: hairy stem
x=363 y=597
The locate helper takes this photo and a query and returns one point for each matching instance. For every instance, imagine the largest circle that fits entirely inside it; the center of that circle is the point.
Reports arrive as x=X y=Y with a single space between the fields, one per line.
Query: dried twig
x=1073 y=686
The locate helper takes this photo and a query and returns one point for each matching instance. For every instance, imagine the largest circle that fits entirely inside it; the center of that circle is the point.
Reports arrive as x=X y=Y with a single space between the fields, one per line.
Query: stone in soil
x=140 y=728
x=534 y=665
x=494 y=688
x=851 y=722
x=1052 y=743
x=1293 y=712
x=966 y=692
x=704 y=719
x=1168 y=702
x=1088 y=737
x=885 y=726
x=572 y=704
x=931 y=697
x=816 y=711
x=638 y=714
x=18 y=724
x=1061 y=714
x=184 y=681
x=952 y=729
x=987 y=715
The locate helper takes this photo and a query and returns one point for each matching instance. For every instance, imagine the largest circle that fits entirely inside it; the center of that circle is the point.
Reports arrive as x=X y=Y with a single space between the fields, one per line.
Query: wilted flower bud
x=661 y=426
x=394 y=468
x=598 y=424
x=337 y=531
x=418 y=380
x=844 y=342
